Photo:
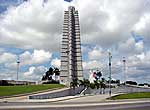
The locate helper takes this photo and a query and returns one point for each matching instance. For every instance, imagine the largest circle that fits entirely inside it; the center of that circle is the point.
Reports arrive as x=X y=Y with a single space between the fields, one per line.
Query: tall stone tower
x=71 y=57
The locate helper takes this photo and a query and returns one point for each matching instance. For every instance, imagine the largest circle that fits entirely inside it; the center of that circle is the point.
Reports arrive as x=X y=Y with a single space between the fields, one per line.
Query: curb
x=121 y=100
x=71 y=98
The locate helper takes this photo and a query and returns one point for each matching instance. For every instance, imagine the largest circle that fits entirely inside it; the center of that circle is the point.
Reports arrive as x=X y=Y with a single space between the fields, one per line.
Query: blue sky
x=33 y=31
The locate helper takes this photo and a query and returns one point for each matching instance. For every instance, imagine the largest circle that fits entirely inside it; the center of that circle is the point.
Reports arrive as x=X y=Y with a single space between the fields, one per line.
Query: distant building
x=13 y=82
x=71 y=56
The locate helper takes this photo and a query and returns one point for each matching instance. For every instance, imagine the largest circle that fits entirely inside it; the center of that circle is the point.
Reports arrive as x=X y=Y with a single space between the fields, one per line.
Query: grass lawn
x=132 y=96
x=14 y=90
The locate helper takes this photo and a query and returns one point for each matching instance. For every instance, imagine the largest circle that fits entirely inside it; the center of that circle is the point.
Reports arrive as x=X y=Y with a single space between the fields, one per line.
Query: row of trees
x=98 y=84
x=144 y=84
x=131 y=82
x=48 y=77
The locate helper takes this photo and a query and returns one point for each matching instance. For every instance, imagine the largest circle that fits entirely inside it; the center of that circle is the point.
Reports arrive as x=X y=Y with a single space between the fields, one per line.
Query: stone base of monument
x=118 y=90
x=58 y=93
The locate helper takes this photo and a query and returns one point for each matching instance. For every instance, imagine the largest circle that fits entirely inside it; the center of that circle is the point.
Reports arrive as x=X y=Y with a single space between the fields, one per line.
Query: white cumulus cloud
x=7 y=57
x=97 y=54
x=37 y=57
x=34 y=73
x=56 y=62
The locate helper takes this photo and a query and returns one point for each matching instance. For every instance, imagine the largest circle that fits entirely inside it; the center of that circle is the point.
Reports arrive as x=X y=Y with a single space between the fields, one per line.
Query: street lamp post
x=124 y=69
x=18 y=62
x=110 y=57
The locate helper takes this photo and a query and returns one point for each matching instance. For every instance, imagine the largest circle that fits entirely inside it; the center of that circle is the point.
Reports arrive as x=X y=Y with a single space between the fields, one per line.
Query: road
x=89 y=102
x=108 y=105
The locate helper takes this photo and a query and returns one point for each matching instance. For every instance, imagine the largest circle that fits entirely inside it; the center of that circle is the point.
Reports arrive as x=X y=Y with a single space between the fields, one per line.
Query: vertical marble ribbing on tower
x=79 y=69
x=65 y=51
x=71 y=57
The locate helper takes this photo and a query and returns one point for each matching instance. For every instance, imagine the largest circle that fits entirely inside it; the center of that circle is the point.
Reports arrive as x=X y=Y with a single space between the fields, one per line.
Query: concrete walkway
x=88 y=98
x=77 y=98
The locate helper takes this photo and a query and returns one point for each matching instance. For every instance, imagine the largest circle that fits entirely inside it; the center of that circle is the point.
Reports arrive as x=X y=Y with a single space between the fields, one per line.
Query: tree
x=92 y=85
x=98 y=74
x=74 y=83
x=44 y=77
x=56 y=71
x=140 y=84
x=102 y=86
x=118 y=81
x=51 y=71
x=85 y=83
x=48 y=75
x=4 y=83
x=97 y=84
x=131 y=82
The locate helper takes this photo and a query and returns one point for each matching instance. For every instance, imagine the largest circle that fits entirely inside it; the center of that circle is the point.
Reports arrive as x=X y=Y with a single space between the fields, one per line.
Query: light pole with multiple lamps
x=110 y=57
